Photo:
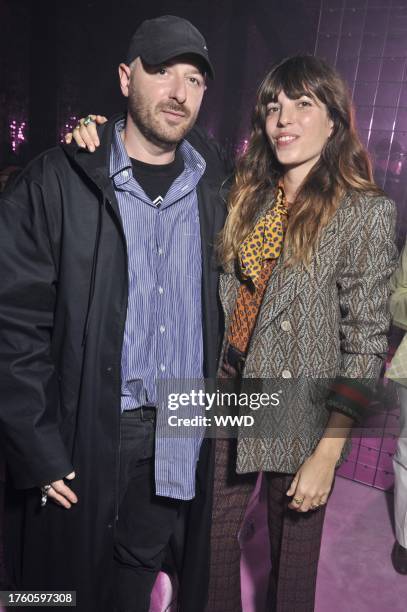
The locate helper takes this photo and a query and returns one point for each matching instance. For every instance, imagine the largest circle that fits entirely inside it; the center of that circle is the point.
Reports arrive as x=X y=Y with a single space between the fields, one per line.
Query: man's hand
x=86 y=136
x=61 y=494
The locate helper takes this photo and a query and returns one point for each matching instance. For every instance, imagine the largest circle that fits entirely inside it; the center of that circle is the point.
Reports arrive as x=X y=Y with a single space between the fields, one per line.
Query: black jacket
x=63 y=300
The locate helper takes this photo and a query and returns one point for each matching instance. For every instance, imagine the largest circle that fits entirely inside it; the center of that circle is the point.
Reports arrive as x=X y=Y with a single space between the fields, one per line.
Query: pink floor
x=355 y=572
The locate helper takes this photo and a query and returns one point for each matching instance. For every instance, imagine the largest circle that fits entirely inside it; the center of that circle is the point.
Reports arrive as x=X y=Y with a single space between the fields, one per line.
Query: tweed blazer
x=315 y=324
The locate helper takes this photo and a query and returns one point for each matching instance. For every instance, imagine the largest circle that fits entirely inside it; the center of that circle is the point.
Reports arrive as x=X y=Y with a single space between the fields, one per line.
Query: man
x=108 y=284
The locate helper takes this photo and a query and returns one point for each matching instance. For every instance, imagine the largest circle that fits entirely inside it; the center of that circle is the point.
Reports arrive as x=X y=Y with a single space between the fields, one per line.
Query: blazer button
x=286 y=326
x=286 y=374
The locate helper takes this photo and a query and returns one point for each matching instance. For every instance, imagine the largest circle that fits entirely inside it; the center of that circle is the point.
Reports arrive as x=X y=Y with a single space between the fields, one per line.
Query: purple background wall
x=367 y=41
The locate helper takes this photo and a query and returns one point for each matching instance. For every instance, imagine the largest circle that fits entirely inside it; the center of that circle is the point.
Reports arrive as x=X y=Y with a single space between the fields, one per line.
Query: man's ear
x=124 y=78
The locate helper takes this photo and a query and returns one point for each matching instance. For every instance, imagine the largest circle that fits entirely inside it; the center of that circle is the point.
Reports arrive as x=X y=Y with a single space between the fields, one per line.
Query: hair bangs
x=295 y=78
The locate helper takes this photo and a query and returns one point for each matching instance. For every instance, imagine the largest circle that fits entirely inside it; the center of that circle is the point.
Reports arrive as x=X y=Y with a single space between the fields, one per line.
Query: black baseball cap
x=158 y=40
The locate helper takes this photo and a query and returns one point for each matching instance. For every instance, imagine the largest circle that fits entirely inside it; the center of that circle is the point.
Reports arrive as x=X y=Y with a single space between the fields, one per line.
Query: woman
x=307 y=251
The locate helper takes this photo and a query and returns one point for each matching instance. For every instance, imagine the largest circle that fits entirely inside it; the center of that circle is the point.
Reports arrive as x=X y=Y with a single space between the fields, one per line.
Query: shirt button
x=125 y=173
x=162 y=329
x=286 y=374
x=162 y=367
x=160 y=251
x=160 y=290
x=286 y=326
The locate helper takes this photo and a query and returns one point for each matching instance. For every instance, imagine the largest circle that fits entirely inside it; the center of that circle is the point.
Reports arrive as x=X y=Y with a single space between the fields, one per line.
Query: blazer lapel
x=284 y=285
x=287 y=283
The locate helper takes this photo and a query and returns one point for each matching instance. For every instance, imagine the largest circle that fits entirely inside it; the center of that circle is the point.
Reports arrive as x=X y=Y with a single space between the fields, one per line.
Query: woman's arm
x=368 y=261
x=369 y=257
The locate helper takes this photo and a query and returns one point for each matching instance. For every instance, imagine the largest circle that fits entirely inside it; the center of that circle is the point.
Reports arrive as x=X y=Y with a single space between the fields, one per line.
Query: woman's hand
x=85 y=133
x=312 y=483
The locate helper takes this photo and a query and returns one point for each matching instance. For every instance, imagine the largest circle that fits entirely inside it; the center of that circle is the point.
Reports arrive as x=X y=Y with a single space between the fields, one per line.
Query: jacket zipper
x=123 y=323
x=123 y=318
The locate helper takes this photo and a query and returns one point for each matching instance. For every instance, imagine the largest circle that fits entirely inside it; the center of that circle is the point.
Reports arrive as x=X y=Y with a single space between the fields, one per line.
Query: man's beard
x=152 y=129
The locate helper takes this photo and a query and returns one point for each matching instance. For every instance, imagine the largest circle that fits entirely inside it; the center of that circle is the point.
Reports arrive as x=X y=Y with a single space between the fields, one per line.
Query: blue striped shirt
x=163 y=332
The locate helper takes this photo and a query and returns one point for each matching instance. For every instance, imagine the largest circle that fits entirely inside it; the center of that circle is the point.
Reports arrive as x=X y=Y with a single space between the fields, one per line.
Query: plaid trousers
x=295 y=540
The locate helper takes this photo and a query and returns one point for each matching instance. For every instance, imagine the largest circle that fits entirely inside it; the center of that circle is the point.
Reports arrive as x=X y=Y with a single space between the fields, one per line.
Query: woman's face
x=297 y=130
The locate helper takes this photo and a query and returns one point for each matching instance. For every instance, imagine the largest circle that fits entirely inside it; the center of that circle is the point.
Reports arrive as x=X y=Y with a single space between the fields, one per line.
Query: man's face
x=164 y=100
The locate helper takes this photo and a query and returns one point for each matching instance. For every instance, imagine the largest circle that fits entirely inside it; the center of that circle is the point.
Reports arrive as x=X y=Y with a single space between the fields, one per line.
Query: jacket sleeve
x=33 y=447
x=369 y=258
x=398 y=300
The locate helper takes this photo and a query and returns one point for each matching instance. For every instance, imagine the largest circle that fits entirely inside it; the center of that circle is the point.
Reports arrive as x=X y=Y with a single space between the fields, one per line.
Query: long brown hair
x=343 y=166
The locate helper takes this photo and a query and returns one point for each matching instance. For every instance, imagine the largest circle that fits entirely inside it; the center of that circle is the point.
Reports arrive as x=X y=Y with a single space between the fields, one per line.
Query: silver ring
x=88 y=120
x=44 y=494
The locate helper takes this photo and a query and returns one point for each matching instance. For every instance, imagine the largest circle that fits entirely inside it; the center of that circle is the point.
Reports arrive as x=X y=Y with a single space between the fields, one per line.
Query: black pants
x=145 y=521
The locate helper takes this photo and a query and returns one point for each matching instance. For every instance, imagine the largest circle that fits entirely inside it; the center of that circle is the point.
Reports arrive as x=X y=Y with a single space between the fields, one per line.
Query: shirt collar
x=194 y=162
x=120 y=161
